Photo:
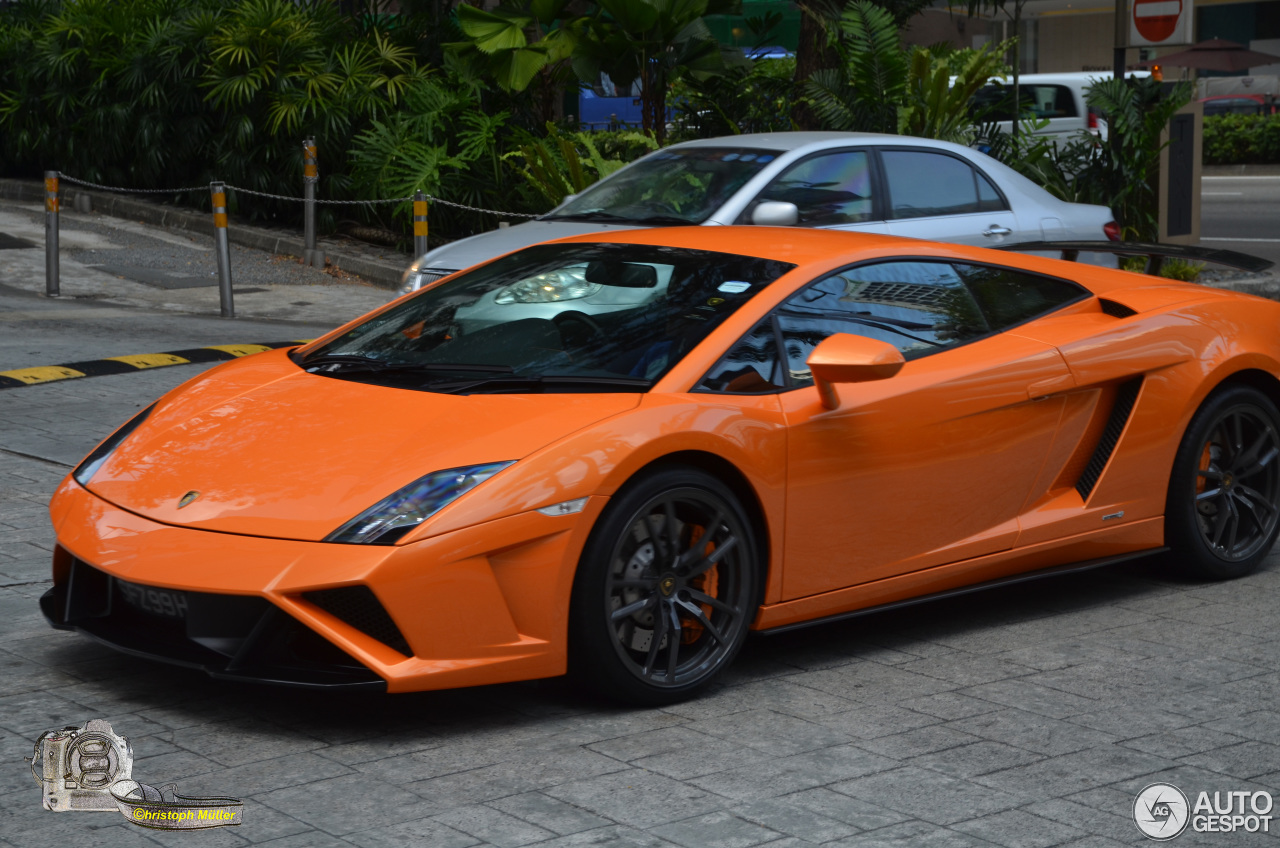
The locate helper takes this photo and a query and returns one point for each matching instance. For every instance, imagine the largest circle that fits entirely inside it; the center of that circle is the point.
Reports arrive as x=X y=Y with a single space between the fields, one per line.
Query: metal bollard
x=419 y=223
x=222 y=248
x=52 y=282
x=310 y=176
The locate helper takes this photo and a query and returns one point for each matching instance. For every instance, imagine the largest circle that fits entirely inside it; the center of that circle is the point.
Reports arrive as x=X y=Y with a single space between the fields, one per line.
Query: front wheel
x=1223 y=508
x=666 y=589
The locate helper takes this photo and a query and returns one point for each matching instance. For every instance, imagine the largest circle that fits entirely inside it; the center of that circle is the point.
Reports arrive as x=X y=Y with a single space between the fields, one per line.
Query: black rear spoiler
x=1155 y=253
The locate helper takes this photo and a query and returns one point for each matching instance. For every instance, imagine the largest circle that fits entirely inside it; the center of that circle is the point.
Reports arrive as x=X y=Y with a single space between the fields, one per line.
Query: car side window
x=829 y=189
x=750 y=367
x=924 y=184
x=1010 y=297
x=918 y=307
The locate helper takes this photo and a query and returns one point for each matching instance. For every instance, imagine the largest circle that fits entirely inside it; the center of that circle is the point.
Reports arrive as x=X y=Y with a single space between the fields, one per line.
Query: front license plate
x=162 y=602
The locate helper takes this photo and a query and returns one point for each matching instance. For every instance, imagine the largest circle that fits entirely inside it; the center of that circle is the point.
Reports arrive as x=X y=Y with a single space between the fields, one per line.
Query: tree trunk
x=813 y=53
x=653 y=103
x=1017 y=66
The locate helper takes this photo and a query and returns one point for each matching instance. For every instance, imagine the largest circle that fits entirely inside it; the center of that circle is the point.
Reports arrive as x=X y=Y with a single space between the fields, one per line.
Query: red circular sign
x=1156 y=20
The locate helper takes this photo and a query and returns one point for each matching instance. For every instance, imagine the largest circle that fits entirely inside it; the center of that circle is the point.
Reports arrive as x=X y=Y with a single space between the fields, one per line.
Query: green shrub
x=1241 y=139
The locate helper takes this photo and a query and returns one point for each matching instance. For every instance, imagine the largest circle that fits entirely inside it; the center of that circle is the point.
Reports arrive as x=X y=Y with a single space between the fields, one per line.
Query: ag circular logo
x=1161 y=811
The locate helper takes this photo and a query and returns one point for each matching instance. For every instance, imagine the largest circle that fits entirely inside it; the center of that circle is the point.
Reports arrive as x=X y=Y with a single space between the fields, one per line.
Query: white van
x=1057 y=97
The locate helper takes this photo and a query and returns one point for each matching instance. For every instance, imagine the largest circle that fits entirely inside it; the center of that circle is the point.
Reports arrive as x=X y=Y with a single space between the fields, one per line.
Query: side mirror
x=775 y=213
x=846 y=358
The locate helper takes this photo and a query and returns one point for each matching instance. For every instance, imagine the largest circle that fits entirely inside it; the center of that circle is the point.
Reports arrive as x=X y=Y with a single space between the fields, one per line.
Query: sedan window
x=829 y=190
x=918 y=307
x=679 y=185
x=923 y=184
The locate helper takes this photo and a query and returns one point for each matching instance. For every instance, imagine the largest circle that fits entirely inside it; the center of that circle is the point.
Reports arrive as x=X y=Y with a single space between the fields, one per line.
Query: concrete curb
x=382 y=274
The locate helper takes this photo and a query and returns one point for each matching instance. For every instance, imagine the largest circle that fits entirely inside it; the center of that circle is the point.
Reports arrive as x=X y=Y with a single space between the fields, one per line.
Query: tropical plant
x=521 y=44
x=819 y=20
x=440 y=144
x=885 y=88
x=753 y=99
x=565 y=163
x=654 y=41
x=1012 y=9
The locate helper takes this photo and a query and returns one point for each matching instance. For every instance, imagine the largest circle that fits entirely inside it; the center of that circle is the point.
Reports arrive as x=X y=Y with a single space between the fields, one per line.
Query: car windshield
x=522 y=322
x=675 y=186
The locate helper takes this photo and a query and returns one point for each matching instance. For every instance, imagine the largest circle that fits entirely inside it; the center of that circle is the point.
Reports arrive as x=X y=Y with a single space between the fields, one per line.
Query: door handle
x=996 y=230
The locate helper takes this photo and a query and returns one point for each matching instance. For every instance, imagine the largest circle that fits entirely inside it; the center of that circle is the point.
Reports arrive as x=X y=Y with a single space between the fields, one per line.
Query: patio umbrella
x=1216 y=54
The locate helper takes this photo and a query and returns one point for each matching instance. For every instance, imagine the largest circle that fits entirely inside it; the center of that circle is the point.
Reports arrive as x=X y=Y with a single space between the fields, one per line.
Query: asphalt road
x=1242 y=213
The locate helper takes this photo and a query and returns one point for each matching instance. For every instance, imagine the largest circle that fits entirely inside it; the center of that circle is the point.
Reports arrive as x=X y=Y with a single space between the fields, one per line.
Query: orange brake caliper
x=1206 y=460
x=707 y=582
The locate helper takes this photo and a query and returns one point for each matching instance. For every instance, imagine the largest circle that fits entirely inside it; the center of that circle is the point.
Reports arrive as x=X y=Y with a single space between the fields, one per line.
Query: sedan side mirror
x=846 y=358
x=775 y=213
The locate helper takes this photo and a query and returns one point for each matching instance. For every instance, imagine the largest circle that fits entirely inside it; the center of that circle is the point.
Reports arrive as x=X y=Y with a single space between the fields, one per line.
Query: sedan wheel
x=666 y=589
x=1223 y=509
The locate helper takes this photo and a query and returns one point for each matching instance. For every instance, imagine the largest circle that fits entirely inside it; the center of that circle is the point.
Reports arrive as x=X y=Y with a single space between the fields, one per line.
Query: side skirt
x=1053 y=571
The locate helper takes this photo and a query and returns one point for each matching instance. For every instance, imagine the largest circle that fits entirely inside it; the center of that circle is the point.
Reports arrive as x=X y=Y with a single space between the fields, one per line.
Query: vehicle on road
x=854 y=182
x=1058 y=99
x=1238 y=104
x=806 y=425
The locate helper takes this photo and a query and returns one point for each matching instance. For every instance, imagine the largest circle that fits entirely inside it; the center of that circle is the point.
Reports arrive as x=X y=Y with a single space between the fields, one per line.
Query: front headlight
x=567 y=284
x=89 y=466
x=415 y=277
x=392 y=517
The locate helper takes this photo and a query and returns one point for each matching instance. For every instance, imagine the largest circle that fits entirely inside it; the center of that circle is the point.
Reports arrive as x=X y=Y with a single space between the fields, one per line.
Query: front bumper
x=484 y=604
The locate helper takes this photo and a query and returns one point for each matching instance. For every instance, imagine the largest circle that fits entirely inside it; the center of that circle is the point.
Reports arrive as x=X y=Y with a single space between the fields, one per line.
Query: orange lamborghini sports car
x=618 y=454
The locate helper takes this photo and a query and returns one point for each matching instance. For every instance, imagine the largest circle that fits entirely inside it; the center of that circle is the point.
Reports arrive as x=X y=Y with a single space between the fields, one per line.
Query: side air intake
x=359 y=607
x=1126 y=395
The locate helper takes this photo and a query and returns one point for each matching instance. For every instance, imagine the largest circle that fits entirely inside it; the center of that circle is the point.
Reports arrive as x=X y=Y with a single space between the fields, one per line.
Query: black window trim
x=772 y=317
x=888 y=197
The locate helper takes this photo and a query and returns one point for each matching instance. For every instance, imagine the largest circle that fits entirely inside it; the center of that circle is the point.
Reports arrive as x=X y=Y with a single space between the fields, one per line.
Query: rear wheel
x=1223 y=508
x=666 y=589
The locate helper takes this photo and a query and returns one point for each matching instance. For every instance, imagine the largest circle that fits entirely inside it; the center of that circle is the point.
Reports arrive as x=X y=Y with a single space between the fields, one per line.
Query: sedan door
x=941 y=196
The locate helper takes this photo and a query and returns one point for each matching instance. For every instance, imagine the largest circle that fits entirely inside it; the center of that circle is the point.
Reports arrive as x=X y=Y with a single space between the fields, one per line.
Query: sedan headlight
x=89 y=466
x=415 y=277
x=392 y=517
x=567 y=284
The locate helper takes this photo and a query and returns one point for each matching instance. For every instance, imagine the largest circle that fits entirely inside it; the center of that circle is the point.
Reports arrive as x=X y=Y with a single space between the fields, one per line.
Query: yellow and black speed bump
x=135 y=362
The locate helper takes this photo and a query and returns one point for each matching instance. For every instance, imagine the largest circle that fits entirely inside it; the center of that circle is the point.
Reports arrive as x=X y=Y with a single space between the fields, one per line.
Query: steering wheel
x=571 y=325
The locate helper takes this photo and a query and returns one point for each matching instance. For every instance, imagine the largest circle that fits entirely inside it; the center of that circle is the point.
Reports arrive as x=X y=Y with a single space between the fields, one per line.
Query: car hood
x=274 y=451
x=469 y=251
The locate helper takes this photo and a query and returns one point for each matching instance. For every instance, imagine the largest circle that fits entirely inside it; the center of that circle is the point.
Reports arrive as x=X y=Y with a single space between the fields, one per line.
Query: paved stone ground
x=1026 y=717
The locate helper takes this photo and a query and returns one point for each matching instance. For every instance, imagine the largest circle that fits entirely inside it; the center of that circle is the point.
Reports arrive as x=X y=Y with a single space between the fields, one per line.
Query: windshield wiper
x=458 y=387
x=595 y=215
x=664 y=219
x=358 y=362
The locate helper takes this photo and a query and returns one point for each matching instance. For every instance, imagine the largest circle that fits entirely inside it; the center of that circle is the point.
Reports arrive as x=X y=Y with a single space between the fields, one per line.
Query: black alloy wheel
x=666 y=590
x=1223 y=508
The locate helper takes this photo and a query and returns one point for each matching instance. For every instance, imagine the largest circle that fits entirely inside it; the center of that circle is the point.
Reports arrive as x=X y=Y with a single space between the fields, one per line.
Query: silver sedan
x=860 y=182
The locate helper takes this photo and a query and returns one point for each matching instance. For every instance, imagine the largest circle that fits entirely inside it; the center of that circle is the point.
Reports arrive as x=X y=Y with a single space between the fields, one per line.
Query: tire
x=1223 y=508
x=662 y=604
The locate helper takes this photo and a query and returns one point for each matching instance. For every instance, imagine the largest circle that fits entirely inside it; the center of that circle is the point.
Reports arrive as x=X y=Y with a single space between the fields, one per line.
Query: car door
x=935 y=464
x=834 y=189
x=940 y=196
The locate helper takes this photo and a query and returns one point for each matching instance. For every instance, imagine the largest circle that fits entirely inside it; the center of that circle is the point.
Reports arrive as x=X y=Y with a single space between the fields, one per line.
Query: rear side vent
x=1126 y=395
x=1115 y=310
x=359 y=607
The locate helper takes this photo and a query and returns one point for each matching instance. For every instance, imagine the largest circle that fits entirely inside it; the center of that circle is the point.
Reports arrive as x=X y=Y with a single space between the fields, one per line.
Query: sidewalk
x=139 y=264
x=381 y=266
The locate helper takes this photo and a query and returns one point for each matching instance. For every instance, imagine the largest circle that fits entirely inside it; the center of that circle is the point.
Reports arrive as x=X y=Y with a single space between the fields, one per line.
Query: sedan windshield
x=675 y=186
x=553 y=317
